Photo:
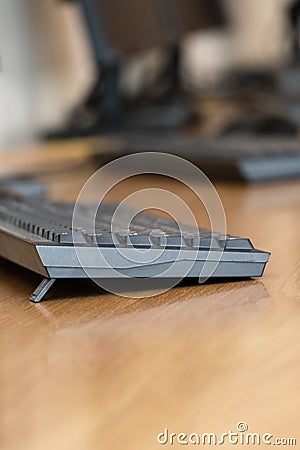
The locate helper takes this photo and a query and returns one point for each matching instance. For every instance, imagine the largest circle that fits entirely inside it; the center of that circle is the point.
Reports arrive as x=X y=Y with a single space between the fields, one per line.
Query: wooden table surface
x=88 y=370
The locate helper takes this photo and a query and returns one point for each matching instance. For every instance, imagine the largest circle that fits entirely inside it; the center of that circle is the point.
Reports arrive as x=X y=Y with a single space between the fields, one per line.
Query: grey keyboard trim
x=58 y=256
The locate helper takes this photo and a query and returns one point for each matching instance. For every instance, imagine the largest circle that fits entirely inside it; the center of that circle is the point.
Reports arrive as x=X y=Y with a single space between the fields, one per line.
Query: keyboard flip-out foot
x=42 y=290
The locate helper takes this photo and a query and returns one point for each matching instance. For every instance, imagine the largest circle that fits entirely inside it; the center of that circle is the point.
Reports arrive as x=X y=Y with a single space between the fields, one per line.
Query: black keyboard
x=39 y=235
x=241 y=157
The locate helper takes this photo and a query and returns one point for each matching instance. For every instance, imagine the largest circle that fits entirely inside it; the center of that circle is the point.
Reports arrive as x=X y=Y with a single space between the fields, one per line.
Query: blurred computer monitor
x=119 y=29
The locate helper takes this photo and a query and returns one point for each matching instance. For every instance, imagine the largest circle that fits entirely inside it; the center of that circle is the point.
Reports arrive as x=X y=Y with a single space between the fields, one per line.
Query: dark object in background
x=118 y=29
x=294 y=19
x=237 y=157
x=263 y=125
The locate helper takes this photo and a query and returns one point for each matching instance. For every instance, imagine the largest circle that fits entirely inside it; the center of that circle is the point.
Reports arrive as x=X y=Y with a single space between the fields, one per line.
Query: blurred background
x=48 y=66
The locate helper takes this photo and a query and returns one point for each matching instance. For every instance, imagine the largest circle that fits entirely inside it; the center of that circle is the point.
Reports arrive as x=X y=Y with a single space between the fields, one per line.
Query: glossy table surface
x=89 y=370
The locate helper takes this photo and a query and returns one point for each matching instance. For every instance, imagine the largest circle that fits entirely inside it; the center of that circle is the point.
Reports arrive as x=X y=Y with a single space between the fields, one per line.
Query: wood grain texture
x=89 y=370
